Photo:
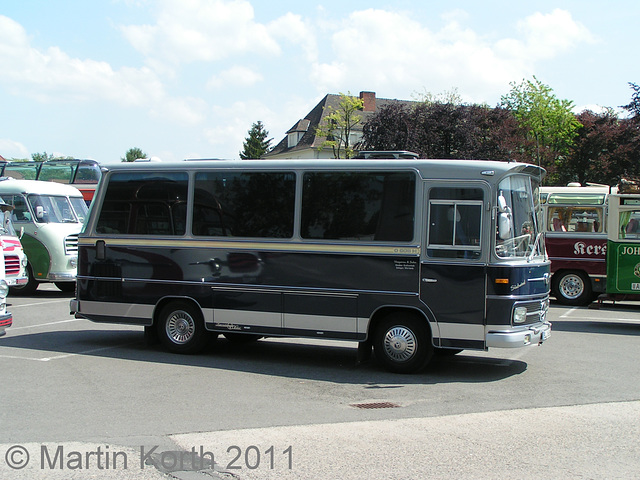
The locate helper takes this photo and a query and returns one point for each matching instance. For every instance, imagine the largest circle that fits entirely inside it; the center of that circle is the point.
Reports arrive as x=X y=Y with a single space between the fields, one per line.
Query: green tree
x=338 y=124
x=42 y=157
x=256 y=144
x=133 y=154
x=634 y=107
x=547 y=120
x=444 y=130
x=448 y=97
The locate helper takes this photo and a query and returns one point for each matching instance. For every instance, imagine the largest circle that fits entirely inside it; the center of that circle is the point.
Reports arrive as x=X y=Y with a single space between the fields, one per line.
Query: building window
x=294 y=138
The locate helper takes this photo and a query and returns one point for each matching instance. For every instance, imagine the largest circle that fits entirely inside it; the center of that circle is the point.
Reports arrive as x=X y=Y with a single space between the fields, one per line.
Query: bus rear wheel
x=572 y=288
x=181 y=328
x=402 y=343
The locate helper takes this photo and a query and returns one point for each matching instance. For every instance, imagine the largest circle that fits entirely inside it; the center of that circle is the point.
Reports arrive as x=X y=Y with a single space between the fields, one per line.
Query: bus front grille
x=11 y=265
x=71 y=244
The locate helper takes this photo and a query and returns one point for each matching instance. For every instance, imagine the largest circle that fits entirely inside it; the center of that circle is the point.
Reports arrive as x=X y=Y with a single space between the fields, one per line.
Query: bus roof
x=12 y=186
x=428 y=168
x=576 y=195
x=589 y=189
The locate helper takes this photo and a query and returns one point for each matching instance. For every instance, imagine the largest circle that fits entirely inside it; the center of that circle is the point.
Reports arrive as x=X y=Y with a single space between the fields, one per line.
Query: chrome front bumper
x=531 y=335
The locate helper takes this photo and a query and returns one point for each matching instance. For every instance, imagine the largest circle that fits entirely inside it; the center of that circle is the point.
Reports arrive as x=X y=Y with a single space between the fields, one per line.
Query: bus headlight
x=4 y=288
x=24 y=261
x=520 y=315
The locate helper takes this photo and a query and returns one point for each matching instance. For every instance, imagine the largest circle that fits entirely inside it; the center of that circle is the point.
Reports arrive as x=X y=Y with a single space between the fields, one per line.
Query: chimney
x=369 y=100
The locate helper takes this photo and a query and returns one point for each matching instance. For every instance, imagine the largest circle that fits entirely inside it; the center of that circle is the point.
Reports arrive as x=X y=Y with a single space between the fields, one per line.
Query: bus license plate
x=545 y=334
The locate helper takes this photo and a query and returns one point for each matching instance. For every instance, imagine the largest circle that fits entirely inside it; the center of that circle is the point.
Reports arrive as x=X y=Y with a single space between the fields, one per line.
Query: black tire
x=66 y=287
x=572 y=287
x=181 y=328
x=28 y=288
x=402 y=343
x=241 y=338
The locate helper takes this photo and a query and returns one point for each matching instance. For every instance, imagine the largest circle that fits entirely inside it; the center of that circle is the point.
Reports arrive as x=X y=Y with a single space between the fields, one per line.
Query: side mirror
x=502 y=203
x=21 y=233
x=504 y=226
x=39 y=212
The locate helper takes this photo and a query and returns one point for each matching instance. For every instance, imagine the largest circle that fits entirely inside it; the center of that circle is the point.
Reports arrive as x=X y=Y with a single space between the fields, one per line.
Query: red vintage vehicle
x=576 y=241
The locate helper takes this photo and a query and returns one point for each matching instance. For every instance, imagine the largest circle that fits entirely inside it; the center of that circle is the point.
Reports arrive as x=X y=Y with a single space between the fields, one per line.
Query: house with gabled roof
x=301 y=140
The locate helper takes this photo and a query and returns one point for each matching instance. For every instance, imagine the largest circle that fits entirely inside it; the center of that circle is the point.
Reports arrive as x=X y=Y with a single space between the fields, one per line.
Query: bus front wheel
x=28 y=288
x=402 y=343
x=572 y=288
x=181 y=328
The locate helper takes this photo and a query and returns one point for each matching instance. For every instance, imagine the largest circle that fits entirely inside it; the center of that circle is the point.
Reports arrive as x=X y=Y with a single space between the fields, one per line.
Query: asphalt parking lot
x=293 y=408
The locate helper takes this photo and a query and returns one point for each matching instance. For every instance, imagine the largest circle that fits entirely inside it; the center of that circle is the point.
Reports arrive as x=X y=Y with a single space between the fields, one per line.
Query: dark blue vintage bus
x=410 y=257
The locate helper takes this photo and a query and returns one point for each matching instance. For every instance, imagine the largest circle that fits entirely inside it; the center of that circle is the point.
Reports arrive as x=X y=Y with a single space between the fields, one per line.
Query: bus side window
x=558 y=226
x=557 y=220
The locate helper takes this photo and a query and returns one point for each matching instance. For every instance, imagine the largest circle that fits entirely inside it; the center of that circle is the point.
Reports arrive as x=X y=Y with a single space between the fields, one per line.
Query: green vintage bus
x=49 y=216
x=623 y=241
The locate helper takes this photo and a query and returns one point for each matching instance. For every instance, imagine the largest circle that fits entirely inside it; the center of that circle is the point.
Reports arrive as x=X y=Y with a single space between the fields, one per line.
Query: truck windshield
x=518 y=215
x=54 y=209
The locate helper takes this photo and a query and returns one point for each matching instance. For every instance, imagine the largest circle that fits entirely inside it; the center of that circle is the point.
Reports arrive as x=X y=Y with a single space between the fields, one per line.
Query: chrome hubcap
x=400 y=344
x=571 y=286
x=180 y=327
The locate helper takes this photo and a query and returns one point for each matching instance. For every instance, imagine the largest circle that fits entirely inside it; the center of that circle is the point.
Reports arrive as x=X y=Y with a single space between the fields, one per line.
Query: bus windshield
x=517 y=233
x=57 y=209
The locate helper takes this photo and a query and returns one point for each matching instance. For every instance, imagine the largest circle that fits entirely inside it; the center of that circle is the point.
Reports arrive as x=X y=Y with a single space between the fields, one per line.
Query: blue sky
x=187 y=78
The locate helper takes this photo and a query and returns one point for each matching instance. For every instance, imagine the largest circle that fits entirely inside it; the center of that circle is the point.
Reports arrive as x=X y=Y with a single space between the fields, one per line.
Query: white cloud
x=547 y=35
x=388 y=51
x=233 y=122
x=186 y=111
x=201 y=30
x=236 y=76
x=11 y=149
x=297 y=32
x=51 y=75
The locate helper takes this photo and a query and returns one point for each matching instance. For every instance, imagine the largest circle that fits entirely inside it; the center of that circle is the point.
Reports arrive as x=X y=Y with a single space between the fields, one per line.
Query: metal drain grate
x=375 y=405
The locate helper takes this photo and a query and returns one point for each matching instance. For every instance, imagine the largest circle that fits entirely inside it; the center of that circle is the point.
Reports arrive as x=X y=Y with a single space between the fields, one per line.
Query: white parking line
x=49 y=302
x=575 y=313
x=565 y=315
x=13 y=329
x=607 y=320
x=67 y=355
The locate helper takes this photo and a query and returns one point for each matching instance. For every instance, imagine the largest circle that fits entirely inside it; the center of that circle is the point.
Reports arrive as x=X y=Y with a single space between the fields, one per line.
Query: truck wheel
x=402 y=343
x=572 y=288
x=181 y=328
x=28 y=288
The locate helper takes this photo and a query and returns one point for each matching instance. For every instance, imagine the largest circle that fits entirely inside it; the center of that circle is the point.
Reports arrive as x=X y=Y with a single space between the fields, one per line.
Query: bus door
x=453 y=273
